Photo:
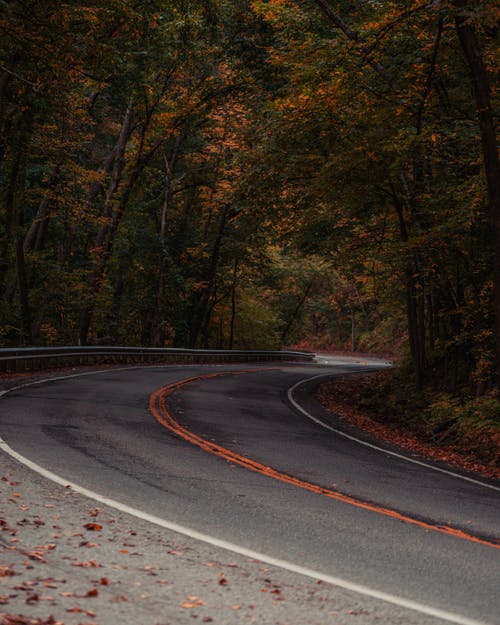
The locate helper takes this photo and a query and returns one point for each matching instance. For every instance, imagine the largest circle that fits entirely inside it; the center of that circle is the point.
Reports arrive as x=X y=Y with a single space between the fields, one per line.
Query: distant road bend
x=221 y=450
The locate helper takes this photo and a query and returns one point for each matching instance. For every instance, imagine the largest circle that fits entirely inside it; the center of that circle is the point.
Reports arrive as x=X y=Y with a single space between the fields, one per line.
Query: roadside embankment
x=463 y=433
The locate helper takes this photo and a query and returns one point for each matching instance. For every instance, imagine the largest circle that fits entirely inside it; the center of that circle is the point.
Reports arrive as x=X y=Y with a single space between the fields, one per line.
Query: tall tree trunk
x=5 y=77
x=9 y=218
x=115 y=316
x=296 y=313
x=210 y=277
x=21 y=274
x=104 y=241
x=159 y=325
x=34 y=237
x=233 y=304
x=481 y=84
x=107 y=235
x=13 y=229
x=353 y=330
x=22 y=285
x=112 y=167
x=103 y=256
x=414 y=298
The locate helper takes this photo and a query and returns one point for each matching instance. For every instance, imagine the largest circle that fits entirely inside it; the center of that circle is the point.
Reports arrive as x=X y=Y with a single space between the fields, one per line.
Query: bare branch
x=19 y=77
x=354 y=37
x=386 y=29
x=430 y=76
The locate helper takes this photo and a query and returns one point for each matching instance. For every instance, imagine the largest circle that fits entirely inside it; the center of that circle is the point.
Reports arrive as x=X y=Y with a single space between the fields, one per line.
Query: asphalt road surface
x=309 y=496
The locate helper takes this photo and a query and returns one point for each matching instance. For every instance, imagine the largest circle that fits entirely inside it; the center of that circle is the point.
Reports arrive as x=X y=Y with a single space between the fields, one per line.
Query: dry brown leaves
x=340 y=399
x=192 y=602
x=93 y=527
x=19 y=619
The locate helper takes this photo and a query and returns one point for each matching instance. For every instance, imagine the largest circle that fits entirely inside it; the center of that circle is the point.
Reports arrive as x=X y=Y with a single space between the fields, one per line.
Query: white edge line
x=83 y=373
x=444 y=615
x=249 y=553
x=298 y=407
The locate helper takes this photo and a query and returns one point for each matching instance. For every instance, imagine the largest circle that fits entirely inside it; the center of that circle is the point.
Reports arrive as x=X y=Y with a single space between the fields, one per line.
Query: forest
x=255 y=174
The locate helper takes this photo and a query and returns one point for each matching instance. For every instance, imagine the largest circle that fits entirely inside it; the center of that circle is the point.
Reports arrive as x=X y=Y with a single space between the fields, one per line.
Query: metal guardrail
x=35 y=358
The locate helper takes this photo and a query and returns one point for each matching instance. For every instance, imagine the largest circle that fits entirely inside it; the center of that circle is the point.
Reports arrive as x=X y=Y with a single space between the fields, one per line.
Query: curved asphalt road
x=96 y=430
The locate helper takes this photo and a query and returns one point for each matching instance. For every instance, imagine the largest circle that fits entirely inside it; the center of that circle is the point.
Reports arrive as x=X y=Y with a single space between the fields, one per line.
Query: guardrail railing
x=35 y=358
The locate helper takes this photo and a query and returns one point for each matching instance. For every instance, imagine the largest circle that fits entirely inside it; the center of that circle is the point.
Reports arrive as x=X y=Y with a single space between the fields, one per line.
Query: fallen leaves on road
x=19 y=619
x=93 y=527
x=7 y=481
x=90 y=593
x=36 y=555
x=5 y=527
x=119 y=598
x=7 y=571
x=27 y=585
x=75 y=610
x=192 y=602
x=357 y=612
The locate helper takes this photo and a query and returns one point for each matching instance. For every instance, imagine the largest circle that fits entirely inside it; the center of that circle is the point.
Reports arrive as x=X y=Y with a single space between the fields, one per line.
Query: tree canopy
x=253 y=173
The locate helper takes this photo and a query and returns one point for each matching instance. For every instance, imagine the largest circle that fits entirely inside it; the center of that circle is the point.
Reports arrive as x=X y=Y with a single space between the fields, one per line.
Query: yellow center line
x=158 y=407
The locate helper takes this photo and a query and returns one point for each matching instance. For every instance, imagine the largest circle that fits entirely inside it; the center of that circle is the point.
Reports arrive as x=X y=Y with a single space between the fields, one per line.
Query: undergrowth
x=468 y=425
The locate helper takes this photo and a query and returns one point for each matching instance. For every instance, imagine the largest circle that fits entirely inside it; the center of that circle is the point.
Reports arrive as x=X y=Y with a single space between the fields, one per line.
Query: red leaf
x=93 y=527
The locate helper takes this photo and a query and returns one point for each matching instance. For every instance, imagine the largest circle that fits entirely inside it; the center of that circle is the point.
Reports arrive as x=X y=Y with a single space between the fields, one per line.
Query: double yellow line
x=159 y=408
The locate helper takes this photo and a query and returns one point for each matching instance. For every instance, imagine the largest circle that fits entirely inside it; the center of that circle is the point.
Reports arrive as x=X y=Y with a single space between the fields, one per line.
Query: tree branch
x=36 y=87
x=354 y=37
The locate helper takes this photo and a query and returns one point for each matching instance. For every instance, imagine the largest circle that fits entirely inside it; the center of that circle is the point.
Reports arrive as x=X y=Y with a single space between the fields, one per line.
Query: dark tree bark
x=22 y=285
x=480 y=81
x=5 y=77
x=13 y=230
x=114 y=166
x=111 y=168
x=159 y=325
x=414 y=301
x=103 y=256
x=8 y=221
x=297 y=311
x=34 y=237
x=210 y=277
x=107 y=234
x=233 y=304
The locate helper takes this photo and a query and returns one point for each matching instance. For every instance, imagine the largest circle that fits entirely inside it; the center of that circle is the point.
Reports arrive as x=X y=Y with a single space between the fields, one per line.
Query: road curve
x=97 y=430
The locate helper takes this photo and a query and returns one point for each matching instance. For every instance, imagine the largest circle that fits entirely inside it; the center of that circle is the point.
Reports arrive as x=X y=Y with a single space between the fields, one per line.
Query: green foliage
x=247 y=173
x=447 y=415
x=467 y=425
